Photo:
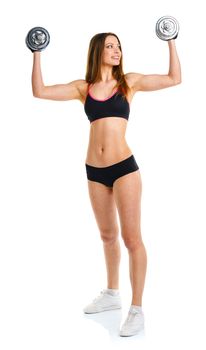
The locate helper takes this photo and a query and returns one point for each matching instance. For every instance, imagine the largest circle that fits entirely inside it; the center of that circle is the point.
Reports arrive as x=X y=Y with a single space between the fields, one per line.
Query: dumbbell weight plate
x=167 y=28
x=37 y=39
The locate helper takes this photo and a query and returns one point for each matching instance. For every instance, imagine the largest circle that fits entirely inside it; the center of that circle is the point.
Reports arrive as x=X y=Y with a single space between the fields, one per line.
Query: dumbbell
x=167 y=28
x=37 y=39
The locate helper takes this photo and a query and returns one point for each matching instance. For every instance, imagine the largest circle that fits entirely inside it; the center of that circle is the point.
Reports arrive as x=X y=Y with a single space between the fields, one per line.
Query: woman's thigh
x=127 y=194
x=104 y=208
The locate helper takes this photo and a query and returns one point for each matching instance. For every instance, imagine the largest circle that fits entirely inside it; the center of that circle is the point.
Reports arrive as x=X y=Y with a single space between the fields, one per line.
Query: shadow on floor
x=111 y=321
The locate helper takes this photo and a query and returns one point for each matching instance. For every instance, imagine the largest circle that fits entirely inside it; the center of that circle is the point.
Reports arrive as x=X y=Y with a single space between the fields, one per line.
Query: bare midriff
x=107 y=143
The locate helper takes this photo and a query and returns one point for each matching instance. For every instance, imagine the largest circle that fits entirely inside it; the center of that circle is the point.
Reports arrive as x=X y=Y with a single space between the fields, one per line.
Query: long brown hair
x=94 y=60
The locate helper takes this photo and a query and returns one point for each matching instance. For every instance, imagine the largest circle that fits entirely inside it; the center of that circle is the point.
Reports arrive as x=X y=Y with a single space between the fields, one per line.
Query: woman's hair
x=94 y=60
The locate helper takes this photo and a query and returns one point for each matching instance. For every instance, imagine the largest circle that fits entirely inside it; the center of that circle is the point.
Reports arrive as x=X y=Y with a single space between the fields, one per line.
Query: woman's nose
x=117 y=50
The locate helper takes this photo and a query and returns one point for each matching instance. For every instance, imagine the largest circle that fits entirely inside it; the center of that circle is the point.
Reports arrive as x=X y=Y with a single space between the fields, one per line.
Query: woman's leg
x=127 y=193
x=104 y=207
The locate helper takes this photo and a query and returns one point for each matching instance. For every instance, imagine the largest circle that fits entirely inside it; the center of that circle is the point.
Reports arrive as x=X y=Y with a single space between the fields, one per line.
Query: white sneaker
x=104 y=302
x=134 y=322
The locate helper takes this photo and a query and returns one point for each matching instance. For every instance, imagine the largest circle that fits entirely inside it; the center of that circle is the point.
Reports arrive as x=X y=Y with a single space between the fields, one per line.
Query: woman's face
x=111 y=54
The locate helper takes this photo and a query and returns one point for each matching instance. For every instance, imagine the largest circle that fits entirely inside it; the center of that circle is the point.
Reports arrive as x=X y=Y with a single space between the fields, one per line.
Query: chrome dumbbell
x=167 y=28
x=37 y=39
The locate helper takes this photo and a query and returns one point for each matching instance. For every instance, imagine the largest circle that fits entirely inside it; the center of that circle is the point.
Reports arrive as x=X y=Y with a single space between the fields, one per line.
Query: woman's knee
x=109 y=235
x=132 y=241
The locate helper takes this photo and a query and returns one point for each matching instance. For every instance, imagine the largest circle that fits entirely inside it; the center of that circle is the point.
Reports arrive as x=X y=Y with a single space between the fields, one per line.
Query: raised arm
x=59 y=92
x=151 y=82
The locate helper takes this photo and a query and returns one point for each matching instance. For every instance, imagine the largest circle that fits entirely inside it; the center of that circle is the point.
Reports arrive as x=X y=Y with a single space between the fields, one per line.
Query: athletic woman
x=114 y=180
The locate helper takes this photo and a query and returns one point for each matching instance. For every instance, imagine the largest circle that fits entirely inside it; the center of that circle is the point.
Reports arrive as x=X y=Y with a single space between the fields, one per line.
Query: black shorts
x=107 y=175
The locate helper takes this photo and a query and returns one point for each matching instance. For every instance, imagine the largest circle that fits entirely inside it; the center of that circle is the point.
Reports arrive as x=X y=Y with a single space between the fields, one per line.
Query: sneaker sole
x=105 y=309
x=131 y=334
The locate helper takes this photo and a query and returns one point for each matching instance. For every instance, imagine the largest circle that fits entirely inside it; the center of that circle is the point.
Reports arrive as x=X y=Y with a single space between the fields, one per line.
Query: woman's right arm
x=59 y=92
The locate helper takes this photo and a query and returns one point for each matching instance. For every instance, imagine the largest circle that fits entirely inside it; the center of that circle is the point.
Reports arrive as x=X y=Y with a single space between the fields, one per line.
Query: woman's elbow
x=37 y=93
x=177 y=81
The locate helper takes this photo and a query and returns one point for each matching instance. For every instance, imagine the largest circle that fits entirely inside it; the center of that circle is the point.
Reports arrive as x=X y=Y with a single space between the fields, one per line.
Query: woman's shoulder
x=82 y=86
x=131 y=78
x=134 y=81
x=80 y=83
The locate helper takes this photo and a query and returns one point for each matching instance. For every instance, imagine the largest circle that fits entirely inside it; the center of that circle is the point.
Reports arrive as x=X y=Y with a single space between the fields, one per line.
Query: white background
x=51 y=257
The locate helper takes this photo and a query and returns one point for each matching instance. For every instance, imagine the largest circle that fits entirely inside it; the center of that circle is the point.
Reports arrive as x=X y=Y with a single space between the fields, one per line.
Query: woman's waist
x=105 y=155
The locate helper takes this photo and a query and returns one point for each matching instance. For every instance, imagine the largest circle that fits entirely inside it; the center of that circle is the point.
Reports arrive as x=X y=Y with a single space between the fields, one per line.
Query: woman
x=114 y=181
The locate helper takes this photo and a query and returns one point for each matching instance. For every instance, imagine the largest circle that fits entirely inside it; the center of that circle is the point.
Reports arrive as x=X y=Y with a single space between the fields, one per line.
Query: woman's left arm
x=151 y=82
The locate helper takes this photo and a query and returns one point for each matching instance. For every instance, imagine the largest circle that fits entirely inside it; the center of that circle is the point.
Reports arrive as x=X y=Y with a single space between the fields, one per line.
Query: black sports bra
x=113 y=106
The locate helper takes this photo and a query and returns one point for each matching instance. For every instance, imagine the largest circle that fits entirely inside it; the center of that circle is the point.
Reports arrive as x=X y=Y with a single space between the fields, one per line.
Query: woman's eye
x=111 y=46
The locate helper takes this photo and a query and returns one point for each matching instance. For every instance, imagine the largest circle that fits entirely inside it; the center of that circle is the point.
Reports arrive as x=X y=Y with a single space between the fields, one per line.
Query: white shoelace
x=99 y=296
x=132 y=315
